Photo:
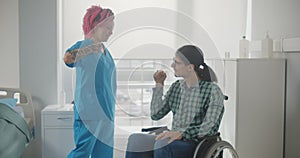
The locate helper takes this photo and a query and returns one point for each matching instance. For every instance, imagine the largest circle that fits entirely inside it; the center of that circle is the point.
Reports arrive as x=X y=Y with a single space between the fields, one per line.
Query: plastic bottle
x=244 y=48
x=267 y=46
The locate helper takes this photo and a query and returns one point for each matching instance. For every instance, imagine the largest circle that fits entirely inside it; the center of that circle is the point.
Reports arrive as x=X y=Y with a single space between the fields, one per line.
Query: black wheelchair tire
x=220 y=146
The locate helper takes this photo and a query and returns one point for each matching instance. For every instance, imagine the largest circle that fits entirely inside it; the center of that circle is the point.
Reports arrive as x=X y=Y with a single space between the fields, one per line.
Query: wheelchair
x=208 y=147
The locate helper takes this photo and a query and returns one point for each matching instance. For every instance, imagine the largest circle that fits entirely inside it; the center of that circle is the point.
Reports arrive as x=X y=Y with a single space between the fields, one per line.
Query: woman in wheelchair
x=196 y=102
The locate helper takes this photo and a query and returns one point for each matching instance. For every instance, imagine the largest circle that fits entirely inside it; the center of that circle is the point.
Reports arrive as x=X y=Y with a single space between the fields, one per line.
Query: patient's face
x=180 y=68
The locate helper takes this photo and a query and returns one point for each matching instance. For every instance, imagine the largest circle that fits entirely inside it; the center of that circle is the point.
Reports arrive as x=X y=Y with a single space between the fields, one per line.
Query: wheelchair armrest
x=156 y=130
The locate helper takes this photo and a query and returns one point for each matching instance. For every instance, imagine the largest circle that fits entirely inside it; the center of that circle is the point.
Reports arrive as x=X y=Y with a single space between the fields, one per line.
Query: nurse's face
x=103 y=31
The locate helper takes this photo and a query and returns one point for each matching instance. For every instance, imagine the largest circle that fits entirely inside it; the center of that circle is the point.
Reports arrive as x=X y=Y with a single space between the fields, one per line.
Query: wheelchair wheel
x=218 y=148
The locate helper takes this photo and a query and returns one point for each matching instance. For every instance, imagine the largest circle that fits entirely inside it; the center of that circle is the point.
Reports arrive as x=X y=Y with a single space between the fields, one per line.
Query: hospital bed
x=17 y=124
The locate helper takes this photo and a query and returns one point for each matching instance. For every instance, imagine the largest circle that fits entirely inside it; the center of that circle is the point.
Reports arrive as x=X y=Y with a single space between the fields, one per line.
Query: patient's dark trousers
x=145 y=146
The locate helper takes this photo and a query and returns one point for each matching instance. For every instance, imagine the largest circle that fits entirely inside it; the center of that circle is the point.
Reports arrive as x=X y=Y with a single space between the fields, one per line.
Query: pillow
x=11 y=102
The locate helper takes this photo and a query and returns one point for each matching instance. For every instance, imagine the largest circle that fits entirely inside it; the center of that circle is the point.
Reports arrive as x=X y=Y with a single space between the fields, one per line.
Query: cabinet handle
x=64 y=118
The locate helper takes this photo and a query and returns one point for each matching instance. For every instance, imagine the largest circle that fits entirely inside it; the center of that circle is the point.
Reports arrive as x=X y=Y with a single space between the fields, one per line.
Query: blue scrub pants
x=145 y=146
x=87 y=144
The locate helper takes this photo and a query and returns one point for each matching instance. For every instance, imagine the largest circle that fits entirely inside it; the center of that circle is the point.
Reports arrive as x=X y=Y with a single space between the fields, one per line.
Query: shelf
x=139 y=85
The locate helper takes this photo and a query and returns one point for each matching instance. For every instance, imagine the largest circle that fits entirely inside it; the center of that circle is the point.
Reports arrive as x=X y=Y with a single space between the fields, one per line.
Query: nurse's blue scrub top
x=95 y=90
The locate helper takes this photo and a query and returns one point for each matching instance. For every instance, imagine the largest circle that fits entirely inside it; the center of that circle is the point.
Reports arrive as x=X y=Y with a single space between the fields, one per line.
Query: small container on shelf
x=267 y=46
x=244 y=48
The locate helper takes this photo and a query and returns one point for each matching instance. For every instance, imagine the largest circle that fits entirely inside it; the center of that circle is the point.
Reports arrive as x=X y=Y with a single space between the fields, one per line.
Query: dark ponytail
x=193 y=55
x=206 y=74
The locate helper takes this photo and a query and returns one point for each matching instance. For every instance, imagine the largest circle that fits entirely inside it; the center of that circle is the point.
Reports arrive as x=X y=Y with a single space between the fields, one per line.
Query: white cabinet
x=57 y=131
x=253 y=121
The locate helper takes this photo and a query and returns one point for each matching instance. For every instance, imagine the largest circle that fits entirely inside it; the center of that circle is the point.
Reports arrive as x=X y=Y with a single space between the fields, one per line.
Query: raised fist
x=159 y=76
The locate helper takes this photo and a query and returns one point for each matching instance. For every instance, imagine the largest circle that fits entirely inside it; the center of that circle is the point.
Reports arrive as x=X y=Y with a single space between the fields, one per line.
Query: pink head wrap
x=94 y=16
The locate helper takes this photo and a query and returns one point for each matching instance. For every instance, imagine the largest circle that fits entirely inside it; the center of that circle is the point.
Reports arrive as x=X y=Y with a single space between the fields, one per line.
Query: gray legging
x=140 y=145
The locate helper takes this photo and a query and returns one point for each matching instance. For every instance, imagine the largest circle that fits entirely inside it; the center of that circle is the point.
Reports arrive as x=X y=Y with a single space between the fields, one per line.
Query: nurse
x=94 y=100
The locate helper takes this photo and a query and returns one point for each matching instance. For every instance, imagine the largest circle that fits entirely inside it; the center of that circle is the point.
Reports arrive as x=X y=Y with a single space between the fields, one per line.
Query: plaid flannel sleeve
x=159 y=103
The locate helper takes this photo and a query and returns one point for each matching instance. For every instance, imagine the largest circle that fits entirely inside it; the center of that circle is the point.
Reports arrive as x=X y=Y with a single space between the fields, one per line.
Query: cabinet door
x=260 y=107
x=58 y=142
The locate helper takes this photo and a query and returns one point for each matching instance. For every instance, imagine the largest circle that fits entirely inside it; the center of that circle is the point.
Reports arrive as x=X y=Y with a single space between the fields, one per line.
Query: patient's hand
x=173 y=135
x=160 y=76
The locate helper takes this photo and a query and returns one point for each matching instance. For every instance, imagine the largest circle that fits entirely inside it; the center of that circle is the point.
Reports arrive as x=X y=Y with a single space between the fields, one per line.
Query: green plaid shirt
x=197 y=111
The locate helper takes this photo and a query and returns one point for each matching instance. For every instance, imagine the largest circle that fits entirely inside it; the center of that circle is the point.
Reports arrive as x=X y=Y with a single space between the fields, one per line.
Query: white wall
x=9 y=43
x=128 y=14
x=224 y=21
x=38 y=49
x=280 y=18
